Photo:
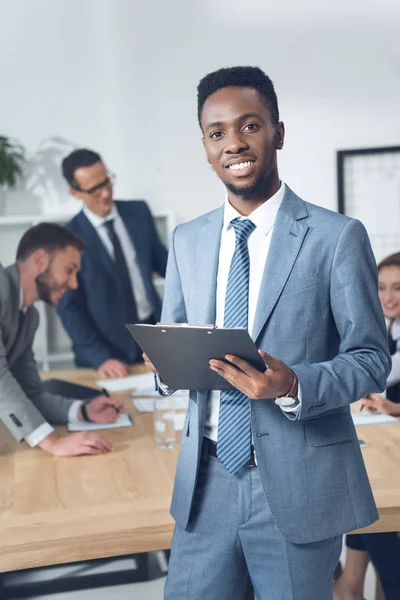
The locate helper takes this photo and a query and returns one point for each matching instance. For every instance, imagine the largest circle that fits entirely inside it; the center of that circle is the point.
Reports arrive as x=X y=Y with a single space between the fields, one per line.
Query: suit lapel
x=94 y=242
x=206 y=256
x=287 y=238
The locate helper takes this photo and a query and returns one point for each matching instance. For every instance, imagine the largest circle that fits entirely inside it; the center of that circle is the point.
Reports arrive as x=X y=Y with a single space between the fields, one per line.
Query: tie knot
x=243 y=228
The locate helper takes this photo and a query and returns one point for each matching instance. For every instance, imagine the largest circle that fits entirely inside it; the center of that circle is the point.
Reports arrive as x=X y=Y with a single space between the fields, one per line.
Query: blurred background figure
x=123 y=250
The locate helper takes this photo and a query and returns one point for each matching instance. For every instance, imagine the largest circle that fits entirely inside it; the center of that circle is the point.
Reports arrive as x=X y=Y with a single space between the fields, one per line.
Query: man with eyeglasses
x=123 y=250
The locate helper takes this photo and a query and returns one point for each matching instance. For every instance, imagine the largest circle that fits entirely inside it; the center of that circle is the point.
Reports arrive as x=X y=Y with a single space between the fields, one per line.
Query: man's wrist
x=84 y=413
x=293 y=389
x=49 y=442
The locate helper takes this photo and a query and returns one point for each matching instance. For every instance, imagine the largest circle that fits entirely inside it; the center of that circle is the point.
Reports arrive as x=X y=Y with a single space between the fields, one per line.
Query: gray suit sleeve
x=17 y=412
x=363 y=362
x=53 y=407
x=23 y=404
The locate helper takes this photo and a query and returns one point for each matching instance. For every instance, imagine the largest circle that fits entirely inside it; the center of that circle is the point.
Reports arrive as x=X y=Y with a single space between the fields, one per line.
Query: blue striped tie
x=234 y=427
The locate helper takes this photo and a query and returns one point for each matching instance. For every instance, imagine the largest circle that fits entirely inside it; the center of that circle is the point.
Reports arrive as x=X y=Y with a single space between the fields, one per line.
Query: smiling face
x=241 y=141
x=59 y=276
x=95 y=188
x=389 y=291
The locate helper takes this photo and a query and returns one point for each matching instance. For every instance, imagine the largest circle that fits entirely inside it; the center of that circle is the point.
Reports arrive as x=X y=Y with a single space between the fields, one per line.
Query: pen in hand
x=108 y=395
x=362 y=405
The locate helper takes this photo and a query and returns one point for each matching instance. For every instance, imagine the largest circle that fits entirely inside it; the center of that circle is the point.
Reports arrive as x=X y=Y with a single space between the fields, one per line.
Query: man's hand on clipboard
x=149 y=364
x=275 y=382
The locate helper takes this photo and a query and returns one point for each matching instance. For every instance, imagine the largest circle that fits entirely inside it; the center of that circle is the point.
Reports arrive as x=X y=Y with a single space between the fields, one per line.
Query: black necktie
x=122 y=273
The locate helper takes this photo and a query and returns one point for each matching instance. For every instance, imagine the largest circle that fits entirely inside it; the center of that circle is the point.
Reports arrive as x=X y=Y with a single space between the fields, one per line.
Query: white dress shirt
x=258 y=243
x=143 y=306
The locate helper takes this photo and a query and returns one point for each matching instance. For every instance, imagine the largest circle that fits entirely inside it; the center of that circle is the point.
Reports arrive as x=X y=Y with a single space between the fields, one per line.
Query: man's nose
x=235 y=143
x=73 y=284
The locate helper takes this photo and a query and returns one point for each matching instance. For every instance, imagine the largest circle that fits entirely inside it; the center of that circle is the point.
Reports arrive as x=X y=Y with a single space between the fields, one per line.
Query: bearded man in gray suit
x=270 y=475
x=48 y=260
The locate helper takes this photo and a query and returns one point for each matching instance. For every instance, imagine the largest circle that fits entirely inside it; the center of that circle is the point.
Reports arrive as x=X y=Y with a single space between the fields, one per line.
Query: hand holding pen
x=102 y=409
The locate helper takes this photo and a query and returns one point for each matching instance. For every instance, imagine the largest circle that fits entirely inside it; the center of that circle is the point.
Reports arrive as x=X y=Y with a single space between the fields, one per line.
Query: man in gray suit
x=270 y=475
x=48 y=260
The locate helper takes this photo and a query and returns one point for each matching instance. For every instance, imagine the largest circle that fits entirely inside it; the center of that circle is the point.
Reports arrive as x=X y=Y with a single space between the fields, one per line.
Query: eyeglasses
x=96 y=189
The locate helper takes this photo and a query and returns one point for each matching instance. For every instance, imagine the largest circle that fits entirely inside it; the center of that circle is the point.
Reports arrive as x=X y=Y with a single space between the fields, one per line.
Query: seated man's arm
x=80 y=327
x=28 y=416
x=17 y=411
x=53 y=407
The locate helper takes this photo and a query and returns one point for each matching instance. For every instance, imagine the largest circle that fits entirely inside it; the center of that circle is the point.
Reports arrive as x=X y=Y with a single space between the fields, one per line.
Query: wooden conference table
x=61 y=510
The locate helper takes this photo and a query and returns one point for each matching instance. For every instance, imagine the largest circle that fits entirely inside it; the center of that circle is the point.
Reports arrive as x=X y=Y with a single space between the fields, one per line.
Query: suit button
x=16 y=421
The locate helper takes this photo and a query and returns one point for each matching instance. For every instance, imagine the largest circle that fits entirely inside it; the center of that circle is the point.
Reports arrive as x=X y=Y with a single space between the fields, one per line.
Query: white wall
x=120 y=76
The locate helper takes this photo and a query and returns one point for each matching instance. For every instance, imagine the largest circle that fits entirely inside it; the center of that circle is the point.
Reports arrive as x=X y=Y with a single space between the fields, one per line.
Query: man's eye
x=216 y=135
x=251 y=127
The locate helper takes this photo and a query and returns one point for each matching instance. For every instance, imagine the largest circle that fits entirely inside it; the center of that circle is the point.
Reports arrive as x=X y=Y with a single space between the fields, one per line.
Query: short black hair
x=78 y=158
x=50 y=237
x=238 y=77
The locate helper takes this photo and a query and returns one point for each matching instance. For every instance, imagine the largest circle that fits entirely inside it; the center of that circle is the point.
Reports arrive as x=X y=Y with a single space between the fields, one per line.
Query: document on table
x=146 y=405
x=372 y=418
x=123 y=420
x=142 y=384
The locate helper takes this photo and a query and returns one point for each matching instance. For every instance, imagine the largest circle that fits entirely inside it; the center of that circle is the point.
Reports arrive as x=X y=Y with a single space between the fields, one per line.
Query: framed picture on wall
x=369 y=190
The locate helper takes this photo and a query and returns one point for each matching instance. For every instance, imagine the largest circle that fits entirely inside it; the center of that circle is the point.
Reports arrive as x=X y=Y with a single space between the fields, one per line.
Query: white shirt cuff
x=162 y=387
x=35 y=437
x=296 y=409
x=73 y=411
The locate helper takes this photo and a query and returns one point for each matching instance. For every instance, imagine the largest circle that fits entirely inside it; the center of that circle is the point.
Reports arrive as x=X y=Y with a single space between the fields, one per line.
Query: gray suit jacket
x=24 y=406
x=318 y=310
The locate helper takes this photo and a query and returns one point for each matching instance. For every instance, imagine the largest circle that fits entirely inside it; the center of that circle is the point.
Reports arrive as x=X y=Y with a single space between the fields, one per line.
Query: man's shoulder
x=8 y=279
x=317 y=216
x=136 y=208
x=190 y=227
x=326 y=215
x=4 y=283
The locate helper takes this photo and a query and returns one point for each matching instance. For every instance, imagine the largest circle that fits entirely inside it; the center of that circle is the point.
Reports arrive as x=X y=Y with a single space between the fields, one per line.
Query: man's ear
x=41 y=260
x=279 y=135
x=74 y=192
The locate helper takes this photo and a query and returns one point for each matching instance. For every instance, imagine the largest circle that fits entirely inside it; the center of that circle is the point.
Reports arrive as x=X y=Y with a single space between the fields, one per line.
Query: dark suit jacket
x=93 y=315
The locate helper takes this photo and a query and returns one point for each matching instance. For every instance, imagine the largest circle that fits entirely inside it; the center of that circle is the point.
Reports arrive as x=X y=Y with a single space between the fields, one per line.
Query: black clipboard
x=181 y=352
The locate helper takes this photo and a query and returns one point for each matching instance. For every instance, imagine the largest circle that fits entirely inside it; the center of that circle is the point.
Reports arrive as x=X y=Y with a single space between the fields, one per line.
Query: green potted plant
x=12 y=157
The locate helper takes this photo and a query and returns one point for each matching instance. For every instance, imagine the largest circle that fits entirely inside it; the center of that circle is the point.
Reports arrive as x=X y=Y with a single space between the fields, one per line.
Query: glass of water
x=164 y=423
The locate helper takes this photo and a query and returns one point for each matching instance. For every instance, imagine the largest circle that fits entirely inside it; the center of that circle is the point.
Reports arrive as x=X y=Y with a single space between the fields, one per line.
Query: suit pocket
x=301 y=283
x=330 y=430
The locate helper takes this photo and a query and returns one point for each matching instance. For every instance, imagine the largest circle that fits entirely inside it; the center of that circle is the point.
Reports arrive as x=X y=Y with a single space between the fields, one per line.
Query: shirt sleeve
x=162 y=387
x=292 y=413
x=37 y=435
x=73 y=411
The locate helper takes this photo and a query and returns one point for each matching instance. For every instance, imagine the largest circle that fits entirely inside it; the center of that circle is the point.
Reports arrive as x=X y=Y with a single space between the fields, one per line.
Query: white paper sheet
x=123 y=420
x=137 y=382
x=146 y=405
x=371 y=418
